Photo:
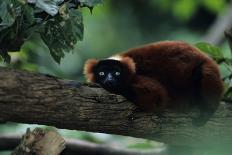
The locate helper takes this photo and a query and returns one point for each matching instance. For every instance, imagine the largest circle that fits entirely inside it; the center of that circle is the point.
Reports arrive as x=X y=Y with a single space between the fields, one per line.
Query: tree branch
x=39 y=99
x=74 y=146
x=215 y=34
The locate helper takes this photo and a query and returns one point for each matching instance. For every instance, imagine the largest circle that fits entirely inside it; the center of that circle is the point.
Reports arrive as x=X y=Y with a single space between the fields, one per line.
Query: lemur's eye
x=117 y=73
x=101 y=73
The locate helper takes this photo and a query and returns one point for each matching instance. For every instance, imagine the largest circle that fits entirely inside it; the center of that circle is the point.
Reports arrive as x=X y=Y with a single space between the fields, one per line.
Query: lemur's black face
x=109 y=74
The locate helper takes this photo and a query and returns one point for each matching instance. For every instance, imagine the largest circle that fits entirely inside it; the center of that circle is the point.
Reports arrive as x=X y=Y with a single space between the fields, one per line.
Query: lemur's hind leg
x=150 y=94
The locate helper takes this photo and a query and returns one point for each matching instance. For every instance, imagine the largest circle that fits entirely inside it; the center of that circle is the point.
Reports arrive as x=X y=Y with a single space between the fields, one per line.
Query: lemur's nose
x=110 y=80
x=109 y=77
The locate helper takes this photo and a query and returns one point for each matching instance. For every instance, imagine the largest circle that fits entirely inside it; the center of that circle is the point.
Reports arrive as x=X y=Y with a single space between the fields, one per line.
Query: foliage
x=58 y=22
x=225 y=63
x=185 y=9
x=213 y=51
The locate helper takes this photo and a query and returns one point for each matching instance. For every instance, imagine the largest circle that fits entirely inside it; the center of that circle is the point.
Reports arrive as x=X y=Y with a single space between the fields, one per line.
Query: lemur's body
x=161 y=75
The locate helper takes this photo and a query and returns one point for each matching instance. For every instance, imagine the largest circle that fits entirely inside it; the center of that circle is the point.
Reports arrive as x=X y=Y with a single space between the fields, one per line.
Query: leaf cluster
x=225 y=64
x=58 y=22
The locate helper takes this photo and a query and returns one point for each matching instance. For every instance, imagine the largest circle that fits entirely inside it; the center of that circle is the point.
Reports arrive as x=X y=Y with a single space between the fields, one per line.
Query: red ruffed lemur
x=158 y=76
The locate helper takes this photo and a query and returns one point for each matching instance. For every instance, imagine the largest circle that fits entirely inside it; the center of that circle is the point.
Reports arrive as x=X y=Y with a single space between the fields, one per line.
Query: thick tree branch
x=33 y=98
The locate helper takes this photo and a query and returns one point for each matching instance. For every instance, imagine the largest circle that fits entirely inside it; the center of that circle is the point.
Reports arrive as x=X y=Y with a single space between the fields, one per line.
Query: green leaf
x=90 y=3
x=62 y=33
x=13 y=36
x=7 y=15
x=28 y=16
x=49 y=6
x=6 y=57
x=213 y=51
x=228 y=93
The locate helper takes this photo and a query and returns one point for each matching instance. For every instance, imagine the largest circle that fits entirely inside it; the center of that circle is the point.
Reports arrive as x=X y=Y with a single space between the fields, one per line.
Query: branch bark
x=39 y=99
x=40 y=142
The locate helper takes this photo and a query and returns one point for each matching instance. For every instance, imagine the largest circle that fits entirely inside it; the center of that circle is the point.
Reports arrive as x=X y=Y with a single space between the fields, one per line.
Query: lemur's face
x=109 y=74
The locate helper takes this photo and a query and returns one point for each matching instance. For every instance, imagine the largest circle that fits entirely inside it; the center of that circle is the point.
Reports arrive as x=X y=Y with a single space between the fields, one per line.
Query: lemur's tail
x=208 y=88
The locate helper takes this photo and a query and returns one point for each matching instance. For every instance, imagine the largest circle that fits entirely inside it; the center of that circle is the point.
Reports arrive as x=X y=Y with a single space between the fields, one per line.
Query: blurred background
x=114 y=27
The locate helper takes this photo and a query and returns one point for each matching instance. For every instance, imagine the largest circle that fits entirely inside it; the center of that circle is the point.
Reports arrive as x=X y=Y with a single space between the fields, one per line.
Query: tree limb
x=74 y=146
x=39 y=99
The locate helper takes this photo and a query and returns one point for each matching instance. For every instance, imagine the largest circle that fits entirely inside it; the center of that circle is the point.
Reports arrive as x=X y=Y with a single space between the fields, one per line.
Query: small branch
x=228 y=34
x=39 y=99
x=215 y=34
x=73 y=147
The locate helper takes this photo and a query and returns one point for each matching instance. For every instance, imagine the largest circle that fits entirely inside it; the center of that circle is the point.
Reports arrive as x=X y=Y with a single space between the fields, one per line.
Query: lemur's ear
x=88 y=69
x=129 y=63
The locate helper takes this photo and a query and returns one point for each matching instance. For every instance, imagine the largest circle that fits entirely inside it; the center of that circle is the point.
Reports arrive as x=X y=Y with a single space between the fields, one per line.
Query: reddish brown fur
x=172 y=64
x=150 y=94
x=88 y=69
x=129 y=63
x=164 y=75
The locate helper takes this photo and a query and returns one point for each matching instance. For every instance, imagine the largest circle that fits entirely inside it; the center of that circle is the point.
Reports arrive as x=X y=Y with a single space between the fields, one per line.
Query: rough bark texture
x=40 y=99
x=40 y=142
